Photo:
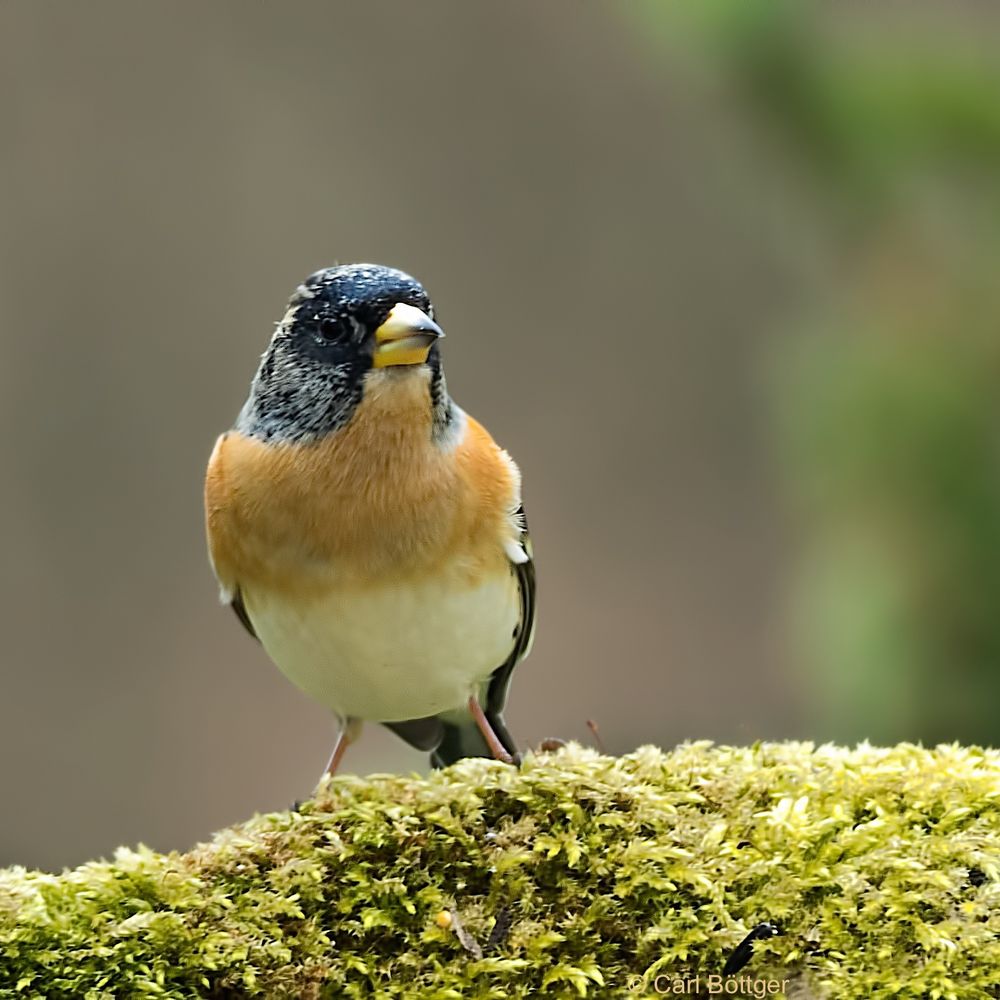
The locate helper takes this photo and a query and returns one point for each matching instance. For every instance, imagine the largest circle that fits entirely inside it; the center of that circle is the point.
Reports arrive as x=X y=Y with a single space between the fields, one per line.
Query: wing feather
x=496 y=696
x=240 y=610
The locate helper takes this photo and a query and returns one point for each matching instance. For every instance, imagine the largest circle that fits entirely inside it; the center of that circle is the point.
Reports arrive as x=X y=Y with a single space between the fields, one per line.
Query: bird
x=367 y=530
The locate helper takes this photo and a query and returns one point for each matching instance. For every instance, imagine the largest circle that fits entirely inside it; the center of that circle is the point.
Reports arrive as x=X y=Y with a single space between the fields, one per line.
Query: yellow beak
x=405 y=338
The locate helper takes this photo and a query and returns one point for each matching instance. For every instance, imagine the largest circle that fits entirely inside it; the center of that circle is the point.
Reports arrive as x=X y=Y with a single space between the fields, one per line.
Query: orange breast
x=373 y=502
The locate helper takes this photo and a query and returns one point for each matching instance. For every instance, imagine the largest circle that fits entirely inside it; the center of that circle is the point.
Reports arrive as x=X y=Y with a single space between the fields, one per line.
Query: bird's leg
x=492 y=741
x=349 y=732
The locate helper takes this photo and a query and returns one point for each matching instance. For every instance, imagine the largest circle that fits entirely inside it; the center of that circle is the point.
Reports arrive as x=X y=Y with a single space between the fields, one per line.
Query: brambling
x=367 y=530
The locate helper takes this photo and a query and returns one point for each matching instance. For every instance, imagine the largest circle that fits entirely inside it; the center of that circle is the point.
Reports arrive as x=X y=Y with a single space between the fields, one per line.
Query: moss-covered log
x=575 y=875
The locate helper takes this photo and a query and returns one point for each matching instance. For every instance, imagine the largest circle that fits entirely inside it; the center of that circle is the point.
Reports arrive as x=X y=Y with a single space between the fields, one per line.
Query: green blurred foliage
x=887 y=384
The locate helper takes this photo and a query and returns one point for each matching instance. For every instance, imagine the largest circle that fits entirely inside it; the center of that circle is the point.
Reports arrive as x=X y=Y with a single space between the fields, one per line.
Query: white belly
x=393 y=652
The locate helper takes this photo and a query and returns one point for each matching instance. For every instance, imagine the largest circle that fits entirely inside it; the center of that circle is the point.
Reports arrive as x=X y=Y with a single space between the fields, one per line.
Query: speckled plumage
x=308 y=384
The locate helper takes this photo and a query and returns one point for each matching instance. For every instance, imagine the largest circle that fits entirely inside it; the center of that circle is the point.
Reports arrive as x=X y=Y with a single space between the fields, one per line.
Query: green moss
x=881 y=867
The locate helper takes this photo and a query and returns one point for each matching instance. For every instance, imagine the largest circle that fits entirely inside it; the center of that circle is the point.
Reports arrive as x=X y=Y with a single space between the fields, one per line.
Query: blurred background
x=722 y=277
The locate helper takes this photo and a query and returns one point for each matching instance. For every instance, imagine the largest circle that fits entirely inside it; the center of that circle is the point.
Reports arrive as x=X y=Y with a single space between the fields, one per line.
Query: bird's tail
x=462 y=738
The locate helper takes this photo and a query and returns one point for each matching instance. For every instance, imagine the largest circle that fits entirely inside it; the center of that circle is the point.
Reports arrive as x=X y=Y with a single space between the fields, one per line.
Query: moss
x=568 y=877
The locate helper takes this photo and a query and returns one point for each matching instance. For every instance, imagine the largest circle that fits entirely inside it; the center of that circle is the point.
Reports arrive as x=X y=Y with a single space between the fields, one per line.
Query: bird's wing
x=240 y=609
x=496 y=696
x=221 y=530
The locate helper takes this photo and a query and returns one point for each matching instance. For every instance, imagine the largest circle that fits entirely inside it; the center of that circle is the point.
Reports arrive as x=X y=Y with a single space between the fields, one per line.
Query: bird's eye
x=333 y=331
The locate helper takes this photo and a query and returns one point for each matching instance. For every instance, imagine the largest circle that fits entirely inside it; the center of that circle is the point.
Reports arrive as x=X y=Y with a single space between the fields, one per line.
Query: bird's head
x=342 y=325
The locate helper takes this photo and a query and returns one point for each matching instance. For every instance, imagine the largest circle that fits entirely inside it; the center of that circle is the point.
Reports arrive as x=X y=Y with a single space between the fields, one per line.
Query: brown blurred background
x=726 y=298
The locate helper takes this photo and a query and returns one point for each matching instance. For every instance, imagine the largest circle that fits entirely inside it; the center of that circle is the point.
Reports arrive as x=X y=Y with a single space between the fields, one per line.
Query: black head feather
x=311 y=377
